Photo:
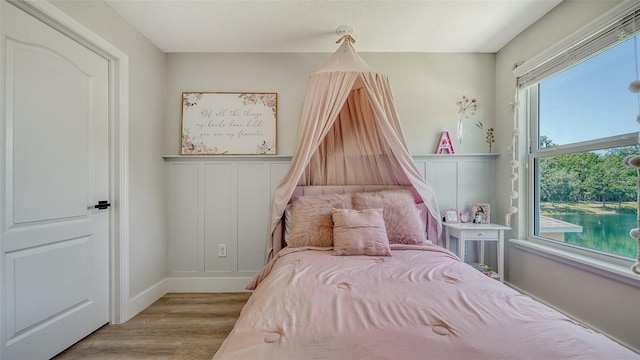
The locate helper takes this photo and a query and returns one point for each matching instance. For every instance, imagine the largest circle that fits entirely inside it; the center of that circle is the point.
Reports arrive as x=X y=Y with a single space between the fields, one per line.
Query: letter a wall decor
x=444 y=144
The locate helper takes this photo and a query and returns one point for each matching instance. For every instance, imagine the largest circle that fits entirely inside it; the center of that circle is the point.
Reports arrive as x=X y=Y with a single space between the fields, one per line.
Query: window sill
x=610 y=268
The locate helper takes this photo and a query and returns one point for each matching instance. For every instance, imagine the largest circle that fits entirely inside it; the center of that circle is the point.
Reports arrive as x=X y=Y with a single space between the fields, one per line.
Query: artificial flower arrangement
x=466 y=108
x=490 y=138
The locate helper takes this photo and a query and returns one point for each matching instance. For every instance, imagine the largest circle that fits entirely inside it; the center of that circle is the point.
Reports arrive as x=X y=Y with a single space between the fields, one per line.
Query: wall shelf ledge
x=288 y=157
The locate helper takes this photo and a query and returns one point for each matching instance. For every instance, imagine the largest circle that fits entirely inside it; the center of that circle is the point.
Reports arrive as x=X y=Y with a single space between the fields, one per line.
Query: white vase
x=460 y=131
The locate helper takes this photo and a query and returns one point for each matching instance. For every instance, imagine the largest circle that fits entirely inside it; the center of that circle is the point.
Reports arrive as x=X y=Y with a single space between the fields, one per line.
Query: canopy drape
x=350 y=134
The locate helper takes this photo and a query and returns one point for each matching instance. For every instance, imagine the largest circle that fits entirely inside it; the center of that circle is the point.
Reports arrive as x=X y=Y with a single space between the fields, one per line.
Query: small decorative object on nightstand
x=452 y=216
x=481 y=213
x=478 y=232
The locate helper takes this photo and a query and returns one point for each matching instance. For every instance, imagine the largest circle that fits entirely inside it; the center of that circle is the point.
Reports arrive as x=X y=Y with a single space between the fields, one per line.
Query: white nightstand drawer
x=482 y=234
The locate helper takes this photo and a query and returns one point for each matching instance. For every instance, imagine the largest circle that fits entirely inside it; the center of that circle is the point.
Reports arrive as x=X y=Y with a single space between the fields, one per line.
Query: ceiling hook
x=345 y=31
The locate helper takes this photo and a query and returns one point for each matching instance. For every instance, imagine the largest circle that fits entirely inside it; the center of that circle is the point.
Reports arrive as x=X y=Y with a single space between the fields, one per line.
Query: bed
x=408 y=300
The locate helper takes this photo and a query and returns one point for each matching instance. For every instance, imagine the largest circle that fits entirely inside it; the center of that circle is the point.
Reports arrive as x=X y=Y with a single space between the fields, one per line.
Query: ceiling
x=260 y=26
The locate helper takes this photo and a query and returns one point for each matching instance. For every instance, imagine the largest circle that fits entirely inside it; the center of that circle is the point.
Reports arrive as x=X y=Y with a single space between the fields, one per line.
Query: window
x=582 y=127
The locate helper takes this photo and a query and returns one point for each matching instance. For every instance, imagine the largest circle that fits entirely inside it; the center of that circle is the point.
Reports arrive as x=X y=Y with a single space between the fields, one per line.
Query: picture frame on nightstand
x=452 y=216
x=481 y=213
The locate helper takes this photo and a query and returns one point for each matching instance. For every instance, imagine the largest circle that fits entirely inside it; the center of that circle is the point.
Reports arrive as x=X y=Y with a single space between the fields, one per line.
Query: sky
x=592 y=99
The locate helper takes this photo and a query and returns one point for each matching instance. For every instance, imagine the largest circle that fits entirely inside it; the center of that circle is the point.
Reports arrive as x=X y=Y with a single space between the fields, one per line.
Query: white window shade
x=615 y=26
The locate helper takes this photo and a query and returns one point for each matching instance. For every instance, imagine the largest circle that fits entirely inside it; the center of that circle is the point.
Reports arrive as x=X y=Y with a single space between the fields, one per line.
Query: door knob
x=102 y=204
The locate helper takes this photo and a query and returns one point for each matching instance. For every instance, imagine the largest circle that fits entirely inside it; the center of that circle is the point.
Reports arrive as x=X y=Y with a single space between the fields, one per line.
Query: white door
x=55 y=247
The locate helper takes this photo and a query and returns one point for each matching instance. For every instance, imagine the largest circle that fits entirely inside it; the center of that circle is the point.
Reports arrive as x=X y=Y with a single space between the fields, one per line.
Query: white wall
x=147 y=189
x=605 y=304
x=425 y=88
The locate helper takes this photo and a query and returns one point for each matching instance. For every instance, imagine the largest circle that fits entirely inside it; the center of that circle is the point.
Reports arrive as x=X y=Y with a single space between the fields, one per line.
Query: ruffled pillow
x=401 y=218
x=312 y=224
x=359 y=232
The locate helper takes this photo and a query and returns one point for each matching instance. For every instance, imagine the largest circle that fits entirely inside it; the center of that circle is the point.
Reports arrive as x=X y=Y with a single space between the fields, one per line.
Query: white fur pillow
x=359 y=232
x=400 y=215
x=312 y=224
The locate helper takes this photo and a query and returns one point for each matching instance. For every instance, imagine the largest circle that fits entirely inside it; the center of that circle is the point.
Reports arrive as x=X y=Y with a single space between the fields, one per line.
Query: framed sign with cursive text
x=225 y=123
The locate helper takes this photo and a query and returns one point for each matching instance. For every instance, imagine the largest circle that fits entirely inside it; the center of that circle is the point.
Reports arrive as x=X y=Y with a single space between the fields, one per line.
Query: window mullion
x=629 y=139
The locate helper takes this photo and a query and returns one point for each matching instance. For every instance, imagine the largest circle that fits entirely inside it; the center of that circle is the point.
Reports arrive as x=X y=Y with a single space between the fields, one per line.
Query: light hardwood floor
x=187 y=326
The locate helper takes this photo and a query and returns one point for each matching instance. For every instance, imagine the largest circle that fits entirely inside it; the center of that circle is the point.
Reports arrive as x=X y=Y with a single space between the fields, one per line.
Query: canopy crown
x=345 y=59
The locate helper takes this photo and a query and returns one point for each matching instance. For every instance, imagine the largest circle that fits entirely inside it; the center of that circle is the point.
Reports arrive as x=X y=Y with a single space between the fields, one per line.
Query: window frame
x=531 y=95
x=623 y=19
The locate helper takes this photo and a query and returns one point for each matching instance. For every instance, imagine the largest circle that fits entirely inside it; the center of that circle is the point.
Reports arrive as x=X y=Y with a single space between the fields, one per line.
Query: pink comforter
x=420 y=303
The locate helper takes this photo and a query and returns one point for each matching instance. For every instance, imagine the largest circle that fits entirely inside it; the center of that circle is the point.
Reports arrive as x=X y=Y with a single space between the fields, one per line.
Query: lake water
x=608 y=233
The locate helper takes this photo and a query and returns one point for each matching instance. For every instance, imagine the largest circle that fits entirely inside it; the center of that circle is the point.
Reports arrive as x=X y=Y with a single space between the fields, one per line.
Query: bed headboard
x=301 y=190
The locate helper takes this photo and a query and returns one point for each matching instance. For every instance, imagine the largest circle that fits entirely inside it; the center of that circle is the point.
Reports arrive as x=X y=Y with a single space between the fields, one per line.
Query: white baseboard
x=145 y=298
x=217 y=284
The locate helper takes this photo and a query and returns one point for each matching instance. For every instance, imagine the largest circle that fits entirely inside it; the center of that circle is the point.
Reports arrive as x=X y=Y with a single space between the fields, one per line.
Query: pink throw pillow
x=359 y=232
x=400 y=215
x=312 y=224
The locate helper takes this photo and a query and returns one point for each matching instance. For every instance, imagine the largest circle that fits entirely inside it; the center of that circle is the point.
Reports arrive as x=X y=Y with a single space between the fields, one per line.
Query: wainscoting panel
x=219 y=222
x=227 y=201
x=254 y=203
x=278 y=172
x=184 y=218
x=476 y=179
x=443 y=176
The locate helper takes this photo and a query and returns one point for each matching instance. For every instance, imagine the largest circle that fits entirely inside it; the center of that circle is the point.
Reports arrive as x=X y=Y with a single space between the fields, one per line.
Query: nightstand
x=477 y=232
